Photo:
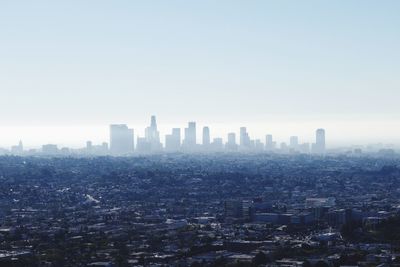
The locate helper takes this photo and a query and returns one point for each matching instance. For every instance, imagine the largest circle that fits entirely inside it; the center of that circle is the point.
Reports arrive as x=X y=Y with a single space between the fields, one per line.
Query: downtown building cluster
x=122 y=141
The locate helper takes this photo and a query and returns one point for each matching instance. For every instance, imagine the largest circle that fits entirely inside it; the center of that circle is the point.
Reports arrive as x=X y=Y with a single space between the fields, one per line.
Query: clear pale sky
x=69 y=68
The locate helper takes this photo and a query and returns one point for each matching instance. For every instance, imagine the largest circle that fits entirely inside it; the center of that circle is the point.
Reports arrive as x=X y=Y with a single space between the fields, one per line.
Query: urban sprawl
x=124 y=205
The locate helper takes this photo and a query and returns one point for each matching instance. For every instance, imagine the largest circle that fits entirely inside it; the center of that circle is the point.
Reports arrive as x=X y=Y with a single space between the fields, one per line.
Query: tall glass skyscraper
x=121 y=139
x=189 y=143
x=152 y=135
x=319 y=146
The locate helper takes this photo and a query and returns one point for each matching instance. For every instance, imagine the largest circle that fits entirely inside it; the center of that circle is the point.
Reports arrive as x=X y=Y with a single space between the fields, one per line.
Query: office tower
x=319 y=146
x=189 y=143
x=173 y=140
x=238 y=209
x=269 y=143
x=176 y=133
x=245 y=142
x=232 y=138
x=233 y=209
x=152 y=136
x=231 y=144
x=89 y=146
x=294 y=142
x=247 y=209
x=206 y=137
x=320 y=138
x=121 y=139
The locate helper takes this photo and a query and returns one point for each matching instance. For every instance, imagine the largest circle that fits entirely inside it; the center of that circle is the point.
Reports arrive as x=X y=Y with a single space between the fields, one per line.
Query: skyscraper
x=189 y=143
x=152 y=136
x=231 y=144
x=269 y=143
x=173 y=140
x=89 y=146
x=320 y=138
x=232 y=138
x=294 y=142
x=121 y=139
x=244 y=138
x=206 y=137
x=319 y=146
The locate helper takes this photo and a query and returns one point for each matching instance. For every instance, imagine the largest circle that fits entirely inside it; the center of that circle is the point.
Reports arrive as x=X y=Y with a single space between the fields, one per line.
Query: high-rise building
x=244 y=138
x=233 y=208
x=152 y=136
x=121 y=139
x=189 y=143
x=269 y=143
x=89 y=146
x=206 y=137
x=232 y=138
x=320 y=137
x=231 y=144
x=173 y=140
x=238 y=209
x=294 y=142
x=319 y=146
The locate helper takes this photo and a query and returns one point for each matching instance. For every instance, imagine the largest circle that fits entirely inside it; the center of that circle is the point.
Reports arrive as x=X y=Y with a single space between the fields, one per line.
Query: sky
x=285 y=67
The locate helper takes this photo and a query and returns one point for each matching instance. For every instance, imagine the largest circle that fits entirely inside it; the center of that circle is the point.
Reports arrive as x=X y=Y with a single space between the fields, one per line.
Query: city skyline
x=124 y=141
x=76 y=136
x=330 y=64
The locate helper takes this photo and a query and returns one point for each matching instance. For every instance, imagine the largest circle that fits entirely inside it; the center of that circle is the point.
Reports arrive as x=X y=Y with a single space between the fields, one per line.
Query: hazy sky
x=282 y=67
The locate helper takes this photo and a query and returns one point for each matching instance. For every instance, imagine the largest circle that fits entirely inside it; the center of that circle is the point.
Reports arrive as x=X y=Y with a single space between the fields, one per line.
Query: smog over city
x=200 y=133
